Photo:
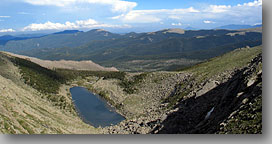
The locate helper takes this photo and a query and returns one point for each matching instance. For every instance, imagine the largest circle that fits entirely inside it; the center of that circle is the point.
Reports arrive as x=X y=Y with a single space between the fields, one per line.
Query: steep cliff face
x=233 y=105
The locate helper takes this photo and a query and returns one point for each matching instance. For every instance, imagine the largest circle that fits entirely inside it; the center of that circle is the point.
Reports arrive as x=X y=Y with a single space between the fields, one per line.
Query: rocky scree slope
x=206 y=98
x=230 y=106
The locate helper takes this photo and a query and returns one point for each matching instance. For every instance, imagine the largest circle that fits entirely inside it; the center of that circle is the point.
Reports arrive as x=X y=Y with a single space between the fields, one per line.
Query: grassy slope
x=33 y=88
x=25 y=110
x=233 y=60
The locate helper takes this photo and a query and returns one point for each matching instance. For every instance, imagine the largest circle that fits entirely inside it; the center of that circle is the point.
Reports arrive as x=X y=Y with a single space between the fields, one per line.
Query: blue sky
x=25 y=16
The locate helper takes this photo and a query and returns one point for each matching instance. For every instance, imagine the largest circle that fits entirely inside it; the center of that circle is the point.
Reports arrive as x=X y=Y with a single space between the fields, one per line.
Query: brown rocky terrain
x=65 y=64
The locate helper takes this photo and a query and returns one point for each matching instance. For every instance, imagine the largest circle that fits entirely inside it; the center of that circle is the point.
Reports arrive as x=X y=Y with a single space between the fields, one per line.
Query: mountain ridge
x=109 y=49
x=63 y=64
x=68 y=32
x=237 y=27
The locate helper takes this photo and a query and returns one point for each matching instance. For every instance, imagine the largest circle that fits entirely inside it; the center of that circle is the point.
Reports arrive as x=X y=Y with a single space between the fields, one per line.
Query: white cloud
x=218 y=8
x=208 y=22
x=254 y=3
x=151 y=16
x=176 y=24
x=81 y=24
x=227 y=8
x=7 y=30
x=84 y=23
x=248 y=13
x=116 y=5
x=138 y=17
x=188 y=10
x=4 y=16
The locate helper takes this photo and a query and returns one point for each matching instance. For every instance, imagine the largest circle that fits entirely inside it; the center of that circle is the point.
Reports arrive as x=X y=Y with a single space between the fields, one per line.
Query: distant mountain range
x=237 y=27
x=68 y=32
x=6 y=38
x=191 y=28
x=59 y=40
x=110 y=49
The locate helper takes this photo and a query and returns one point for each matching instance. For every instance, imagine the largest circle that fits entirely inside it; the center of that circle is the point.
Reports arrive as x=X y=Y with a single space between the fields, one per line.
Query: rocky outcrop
x=211 y=109
x=143 y=109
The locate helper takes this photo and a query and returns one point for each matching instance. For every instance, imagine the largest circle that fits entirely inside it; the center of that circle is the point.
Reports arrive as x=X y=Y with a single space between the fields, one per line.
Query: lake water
x=94 y=110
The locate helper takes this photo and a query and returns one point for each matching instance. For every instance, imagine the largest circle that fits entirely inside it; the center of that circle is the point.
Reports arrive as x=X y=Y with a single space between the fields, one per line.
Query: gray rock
x=207 y=87
x=250 y=82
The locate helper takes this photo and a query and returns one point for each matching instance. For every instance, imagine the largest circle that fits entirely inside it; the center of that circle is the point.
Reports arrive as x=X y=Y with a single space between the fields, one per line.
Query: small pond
x=93 y=109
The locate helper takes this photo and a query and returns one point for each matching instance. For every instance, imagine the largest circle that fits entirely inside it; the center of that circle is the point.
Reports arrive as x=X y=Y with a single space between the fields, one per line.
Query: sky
x=39 y=16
